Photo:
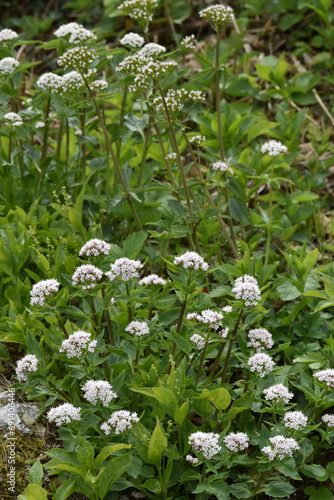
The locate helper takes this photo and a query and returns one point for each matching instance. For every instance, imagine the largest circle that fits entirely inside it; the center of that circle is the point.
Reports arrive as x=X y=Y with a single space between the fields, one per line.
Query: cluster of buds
x=246 y=288
x=76 y=33
x=261 y=363
x=152 y=279
x=273 y=148
x=13 y=119
x=326 y=376
x=141 y=10
x=78 y=344
x=120 y=421
x=218 y=14
x=260 y=339
x=78 y=58
x=7 y=35
x=124 y=269
x=87 y=276
x=282 y=447
x=64 y=414
x=295 y=420
x=8 y=65
x=208 y=317
x=198 y=340
x=26 y=365
x=43 y=289
x=174 y=99
x=138 y=328
x=98 y=390
x=94 y=248
x=197 y=140
x=189 y=42
x=152 y=49
x=236 y=441
x=278 y=394
x=191 y=260
x=205 y=443
x=132 y=40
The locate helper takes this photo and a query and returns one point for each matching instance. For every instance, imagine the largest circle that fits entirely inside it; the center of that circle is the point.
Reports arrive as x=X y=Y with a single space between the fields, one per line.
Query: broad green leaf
x=114 y=470
x=218 y=488
x=36 y=473
x=279 y=489
x=85 y=452
x=288 y=471
x=288 y=291
x=165 y=397
x=34 y=492
x=315 y=471
x=220 y=397
x=321 y=494
x=181 y=413
x=311 y=259
x=65 y=490
x=157 y=444
x=109 y=450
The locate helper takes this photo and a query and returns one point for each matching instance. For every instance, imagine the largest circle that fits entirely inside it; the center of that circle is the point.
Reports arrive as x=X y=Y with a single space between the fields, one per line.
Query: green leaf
x=85 y=452
x=288 y=471
x=181 y=413
x=180 y=341
x=320 y=494
x=288 y=291
x=279 y=489
x=240 y=490
x=157 y=445
x=133 y=244
x=109 y=450
x=219 y=488
x=315 y=471
x=311 y=259
x=109 y=474
x=220 y=397
x=165 y=397
x=36 y=473
x=153 y=485
x=34 y=492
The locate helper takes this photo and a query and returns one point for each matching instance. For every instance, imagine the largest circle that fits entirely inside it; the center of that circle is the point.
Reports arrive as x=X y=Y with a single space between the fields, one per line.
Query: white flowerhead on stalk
x=152 y=279
x=81 y=35
x=78 y=58
x=133 y=64
x=125 y=269
x=173 y=101
x=43 y=289
x=218 y=14
x=236 y=441
x=189 y=42
x=196 y=96
x=152 y=70
x=94 y=248
x=295 y=420
x=78 y=344
x=98 y=86
x=260 y=339
x=192 y=460
x=220 y=166
x=171 y=157
x=6 y=35
x=273 y=148
x=132 y=40
x=142 y=10
x=278 y=394
x=64 y=414
x=282 y=447
x=152 y=49
x=208 y=317
x=261 y=363
x=227 y=309
x=98 y=390
x=197 y=140
x=8 y=65
x=198 y=340
x=39 y=124
x=246 y=288
x=13 y=119
x=191 y=260
x=326 y=376
x=120 y=421
x=71 y=82
x=205 y=443
x=67 y=29
x=329 y=420
x=138 y=328
x=26 y=365
x=49 y=81
x=86 y=276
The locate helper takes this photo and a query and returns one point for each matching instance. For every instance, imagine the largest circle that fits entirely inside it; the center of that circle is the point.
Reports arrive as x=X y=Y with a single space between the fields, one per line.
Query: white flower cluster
x=64 y=414
x=152 y=70
x=98 y=390
x=246 y=288
x=13 y=119
x=197 y=140
x=227 y=309
x=78 y=58
x=152 y=49
x=132 y=40
x=138 y=328
x=78 y=344
x=192 y=460
x=171 y=156
x=67 y=29
x=273 y=148
x=120 y=421
x=191 y=260
x=208 y=317
x=260 y=339
x=40 y=124
x=295 y=420
x=261 y=363
x=98 y=86
x=218 y=13
x=76 y=31
x=8 y=65
x=95 y=247
x=133 y=64
x=236 y=441
x=174 y=99
x=326 y=376
x=25 y=365
x=86 y=276
x=282 y=447
x=125 y=269
x=189 y=42
x=6 y=35
x=278 y=394
x=43 y=289
x=205 y=443
x=328 y=419
x=49 y=81
x=139 y=9
x=70 y=82
x=152 y=279
x=220 y=166
x=198 y=340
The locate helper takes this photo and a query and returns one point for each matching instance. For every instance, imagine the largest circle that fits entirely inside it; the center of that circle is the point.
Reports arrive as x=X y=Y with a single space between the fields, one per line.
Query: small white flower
x=25 y=365
x=125 y=269
x=152 y=279
x=78 y=58
x=295 y=420
x=43 y=289
x=261 y=363
x=78 y=344
x=152 y=49
x=112 y=301
x=227 y=309
x=198 y=340
x=67 y=29
x=329 y=420
x=64 y=414
x=8 y=65
x=95 y=247
x=205 y=443
x=260 y=339
x=98 y=390
x=81 y=35
x=220 y=166
x=282 y=447
x=99 y=85
x=120 y=421
x=326 y=376
x=208 y=317
x=192 y=460
x=236 y=442
x=218 y=14
x=6 y=35
x=171 y=156
x=132 y=40
x=246 y=288
x=49 y=81
x=278 y=394
x=191 y=260
x=138 y=328
x=139 y=9
x=40 y=124
x=13 y=119
x=86 y=276
x=273 y=148
x=189 y=42
x=197 y=139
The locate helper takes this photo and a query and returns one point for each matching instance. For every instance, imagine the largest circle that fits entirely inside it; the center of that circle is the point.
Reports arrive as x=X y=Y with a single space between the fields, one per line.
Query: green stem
x=67 y=150
x=228 y=355
x=313 y=452
x=203 y=472
x=46 y=127
x=109 y=325
x=143 y=160
x=83 y=128
x=270 y=214
x=178 y=327
x=201 y=360
x=129 y=302
x=59 y=139
x=10 y=144
x=62 y=326
x=261 y=480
